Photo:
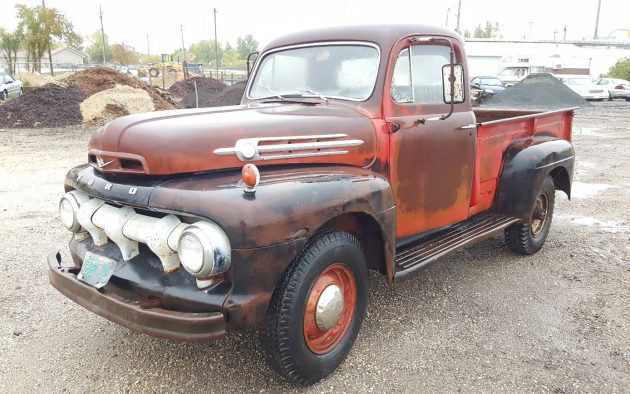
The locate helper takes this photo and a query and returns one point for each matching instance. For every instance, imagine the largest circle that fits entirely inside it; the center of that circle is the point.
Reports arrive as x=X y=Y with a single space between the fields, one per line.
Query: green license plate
x=96 y=270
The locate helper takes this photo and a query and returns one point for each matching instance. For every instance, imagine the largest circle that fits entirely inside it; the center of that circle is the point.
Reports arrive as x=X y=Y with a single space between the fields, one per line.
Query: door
x=432 y=160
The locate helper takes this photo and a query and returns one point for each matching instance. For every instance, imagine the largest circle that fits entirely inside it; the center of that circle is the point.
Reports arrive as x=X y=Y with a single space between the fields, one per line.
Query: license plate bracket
x=97 y=270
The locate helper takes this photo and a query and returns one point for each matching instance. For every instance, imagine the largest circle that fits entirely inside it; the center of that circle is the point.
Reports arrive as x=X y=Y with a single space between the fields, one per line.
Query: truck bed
x=496 y=130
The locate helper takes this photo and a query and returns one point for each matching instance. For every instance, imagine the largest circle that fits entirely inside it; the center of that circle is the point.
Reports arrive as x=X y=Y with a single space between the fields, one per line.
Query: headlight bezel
x=74 y=205
x=215 y=246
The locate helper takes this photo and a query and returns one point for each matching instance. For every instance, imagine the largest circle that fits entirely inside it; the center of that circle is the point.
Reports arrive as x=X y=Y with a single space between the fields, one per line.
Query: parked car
x=586 y=88
x=617 y=88
x=9 y=87
x=341 y=159
x=490 y=85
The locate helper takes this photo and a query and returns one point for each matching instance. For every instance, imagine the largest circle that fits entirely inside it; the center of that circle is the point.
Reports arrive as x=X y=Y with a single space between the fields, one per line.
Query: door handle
x=469 y=126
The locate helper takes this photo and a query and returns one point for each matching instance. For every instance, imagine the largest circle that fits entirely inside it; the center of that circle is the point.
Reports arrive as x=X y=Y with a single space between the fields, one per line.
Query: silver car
x=9 y=87
x=617 y=88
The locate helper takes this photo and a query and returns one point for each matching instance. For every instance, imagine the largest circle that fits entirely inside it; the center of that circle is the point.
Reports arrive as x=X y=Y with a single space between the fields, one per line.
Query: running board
x=412 y=257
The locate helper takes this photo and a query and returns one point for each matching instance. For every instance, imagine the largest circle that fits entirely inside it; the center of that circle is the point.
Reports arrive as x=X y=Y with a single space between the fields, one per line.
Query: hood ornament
x=250 y=149
x=101 y=163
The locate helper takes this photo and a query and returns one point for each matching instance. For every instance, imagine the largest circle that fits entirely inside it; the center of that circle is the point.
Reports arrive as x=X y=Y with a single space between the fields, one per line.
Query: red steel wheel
x=330 y=308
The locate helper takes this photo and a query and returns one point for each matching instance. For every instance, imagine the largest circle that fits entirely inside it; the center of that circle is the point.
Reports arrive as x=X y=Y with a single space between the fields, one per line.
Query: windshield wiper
x=273 y=92
x=314 y=93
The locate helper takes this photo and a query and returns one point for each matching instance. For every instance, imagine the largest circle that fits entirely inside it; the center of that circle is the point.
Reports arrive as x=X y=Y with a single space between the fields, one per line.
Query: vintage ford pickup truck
x=354 y=149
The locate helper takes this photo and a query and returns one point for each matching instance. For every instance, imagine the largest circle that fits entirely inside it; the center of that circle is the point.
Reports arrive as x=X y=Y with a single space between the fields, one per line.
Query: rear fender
x=526 y=164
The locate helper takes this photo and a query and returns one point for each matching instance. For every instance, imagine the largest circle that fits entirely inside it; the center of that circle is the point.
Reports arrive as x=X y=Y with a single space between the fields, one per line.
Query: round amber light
x=251 y=176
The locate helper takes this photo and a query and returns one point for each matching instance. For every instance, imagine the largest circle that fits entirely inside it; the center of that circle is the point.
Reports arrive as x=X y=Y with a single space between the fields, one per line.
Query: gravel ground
x=482 y=320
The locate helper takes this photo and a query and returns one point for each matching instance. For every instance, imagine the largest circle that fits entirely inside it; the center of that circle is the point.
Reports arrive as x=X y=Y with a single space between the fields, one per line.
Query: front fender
x=268 y=228
x=525 y=166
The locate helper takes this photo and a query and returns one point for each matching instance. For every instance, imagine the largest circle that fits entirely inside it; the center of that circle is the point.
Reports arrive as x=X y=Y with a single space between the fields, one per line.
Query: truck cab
x=354 y=149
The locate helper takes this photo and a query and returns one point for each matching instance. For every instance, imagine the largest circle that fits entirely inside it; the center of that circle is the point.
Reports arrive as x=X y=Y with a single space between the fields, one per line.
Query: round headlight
x=204 y=249
x=191 y=253
x=68 y=208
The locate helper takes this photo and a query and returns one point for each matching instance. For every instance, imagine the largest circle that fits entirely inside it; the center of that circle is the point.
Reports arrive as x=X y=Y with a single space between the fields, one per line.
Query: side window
x=8 y=79
x=418 y=74
x=401 y=80
x=426 y=71
x=603 y=82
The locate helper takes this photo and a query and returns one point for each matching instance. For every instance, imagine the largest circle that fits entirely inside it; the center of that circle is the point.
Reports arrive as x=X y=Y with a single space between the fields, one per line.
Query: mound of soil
x=537 y=92
x=185 y=87
x=94 y=80
x=231 y=95
x=52 y=105
x=109 y=104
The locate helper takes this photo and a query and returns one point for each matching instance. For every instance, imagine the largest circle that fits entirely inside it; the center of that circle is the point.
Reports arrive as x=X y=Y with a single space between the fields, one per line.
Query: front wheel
x=4 y=95
x=528 y=237
x=317 y=310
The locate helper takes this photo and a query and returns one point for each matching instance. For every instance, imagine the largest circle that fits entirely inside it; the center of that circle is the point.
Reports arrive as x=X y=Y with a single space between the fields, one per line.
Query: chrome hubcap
x=329 y=307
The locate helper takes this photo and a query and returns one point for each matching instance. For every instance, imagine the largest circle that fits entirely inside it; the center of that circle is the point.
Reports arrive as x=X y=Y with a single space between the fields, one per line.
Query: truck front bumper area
x=158 y=322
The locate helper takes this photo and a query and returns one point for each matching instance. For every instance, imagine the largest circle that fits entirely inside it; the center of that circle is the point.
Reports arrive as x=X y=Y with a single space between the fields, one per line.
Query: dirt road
x=483 y=320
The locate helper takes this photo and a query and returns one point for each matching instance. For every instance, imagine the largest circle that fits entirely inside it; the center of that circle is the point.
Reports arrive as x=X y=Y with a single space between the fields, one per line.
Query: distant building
x=64 y=55
x=619 y=34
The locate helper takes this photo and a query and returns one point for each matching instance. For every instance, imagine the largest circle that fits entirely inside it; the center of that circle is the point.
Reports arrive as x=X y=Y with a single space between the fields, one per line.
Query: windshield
x=579 y=81
x=344 y=71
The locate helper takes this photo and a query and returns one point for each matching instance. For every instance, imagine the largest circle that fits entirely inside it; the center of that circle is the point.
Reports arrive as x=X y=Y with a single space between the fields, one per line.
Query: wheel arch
x=374 y=234
x=526 y=164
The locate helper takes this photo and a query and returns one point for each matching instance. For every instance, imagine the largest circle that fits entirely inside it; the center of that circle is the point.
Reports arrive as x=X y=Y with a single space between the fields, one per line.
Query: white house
x=62 y=55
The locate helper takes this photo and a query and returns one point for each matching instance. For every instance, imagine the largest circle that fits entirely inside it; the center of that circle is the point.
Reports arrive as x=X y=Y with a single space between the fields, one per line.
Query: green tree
x=621 y=69
x=204 y=52
x=42 y=26
x=9 y=45
x=231 y=58
x=246 y=45
x=95 y=49
x=488 y=31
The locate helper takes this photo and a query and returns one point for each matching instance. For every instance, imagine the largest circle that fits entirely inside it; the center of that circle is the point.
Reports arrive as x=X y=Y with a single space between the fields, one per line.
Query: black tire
x=154 y=72
x=529 y=237
x=21 y=92
x=610 y=97
x=283 y=335
x=4 y=95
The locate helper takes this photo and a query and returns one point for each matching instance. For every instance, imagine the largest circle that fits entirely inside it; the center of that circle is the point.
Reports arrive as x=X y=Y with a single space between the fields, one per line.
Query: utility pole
x=459 y=13
x=555 y=30
x=181 y=29
x=530 y=30
x=564 y=36
x=100 y=8
x=599 y=6
x=49 y=44
x=216 y=44
x=148 y=49
x=448 y=11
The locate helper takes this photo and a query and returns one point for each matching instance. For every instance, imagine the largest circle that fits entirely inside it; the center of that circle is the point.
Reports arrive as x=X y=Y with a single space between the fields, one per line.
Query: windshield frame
x=307 y=45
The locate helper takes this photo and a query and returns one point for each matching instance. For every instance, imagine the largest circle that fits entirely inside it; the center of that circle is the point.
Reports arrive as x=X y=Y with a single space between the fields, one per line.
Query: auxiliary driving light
x=204 y=249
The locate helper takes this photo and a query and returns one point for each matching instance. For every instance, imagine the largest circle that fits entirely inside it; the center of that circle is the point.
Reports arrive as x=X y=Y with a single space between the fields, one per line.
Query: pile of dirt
x=118 y=101
x=185 y=90
x=52 y=105
x=231 y=95
x=94 y=80
x=537 y=92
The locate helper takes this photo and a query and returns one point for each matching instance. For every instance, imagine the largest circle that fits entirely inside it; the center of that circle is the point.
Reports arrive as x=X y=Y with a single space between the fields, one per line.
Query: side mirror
x=453 y=83
x=475 y=85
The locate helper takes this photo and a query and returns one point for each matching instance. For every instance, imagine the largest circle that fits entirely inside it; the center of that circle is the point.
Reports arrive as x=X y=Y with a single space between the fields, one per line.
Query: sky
x=130 y=21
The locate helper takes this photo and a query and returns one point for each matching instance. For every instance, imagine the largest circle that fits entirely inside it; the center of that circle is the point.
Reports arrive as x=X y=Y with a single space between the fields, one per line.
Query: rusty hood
x=192 y=140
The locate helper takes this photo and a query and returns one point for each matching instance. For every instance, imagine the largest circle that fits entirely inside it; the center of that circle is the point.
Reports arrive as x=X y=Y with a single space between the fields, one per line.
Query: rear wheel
x=317 y=310
x=528 y=237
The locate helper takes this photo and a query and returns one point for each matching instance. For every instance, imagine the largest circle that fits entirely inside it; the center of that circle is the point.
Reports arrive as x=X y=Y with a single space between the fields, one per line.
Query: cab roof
x=385 y=36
